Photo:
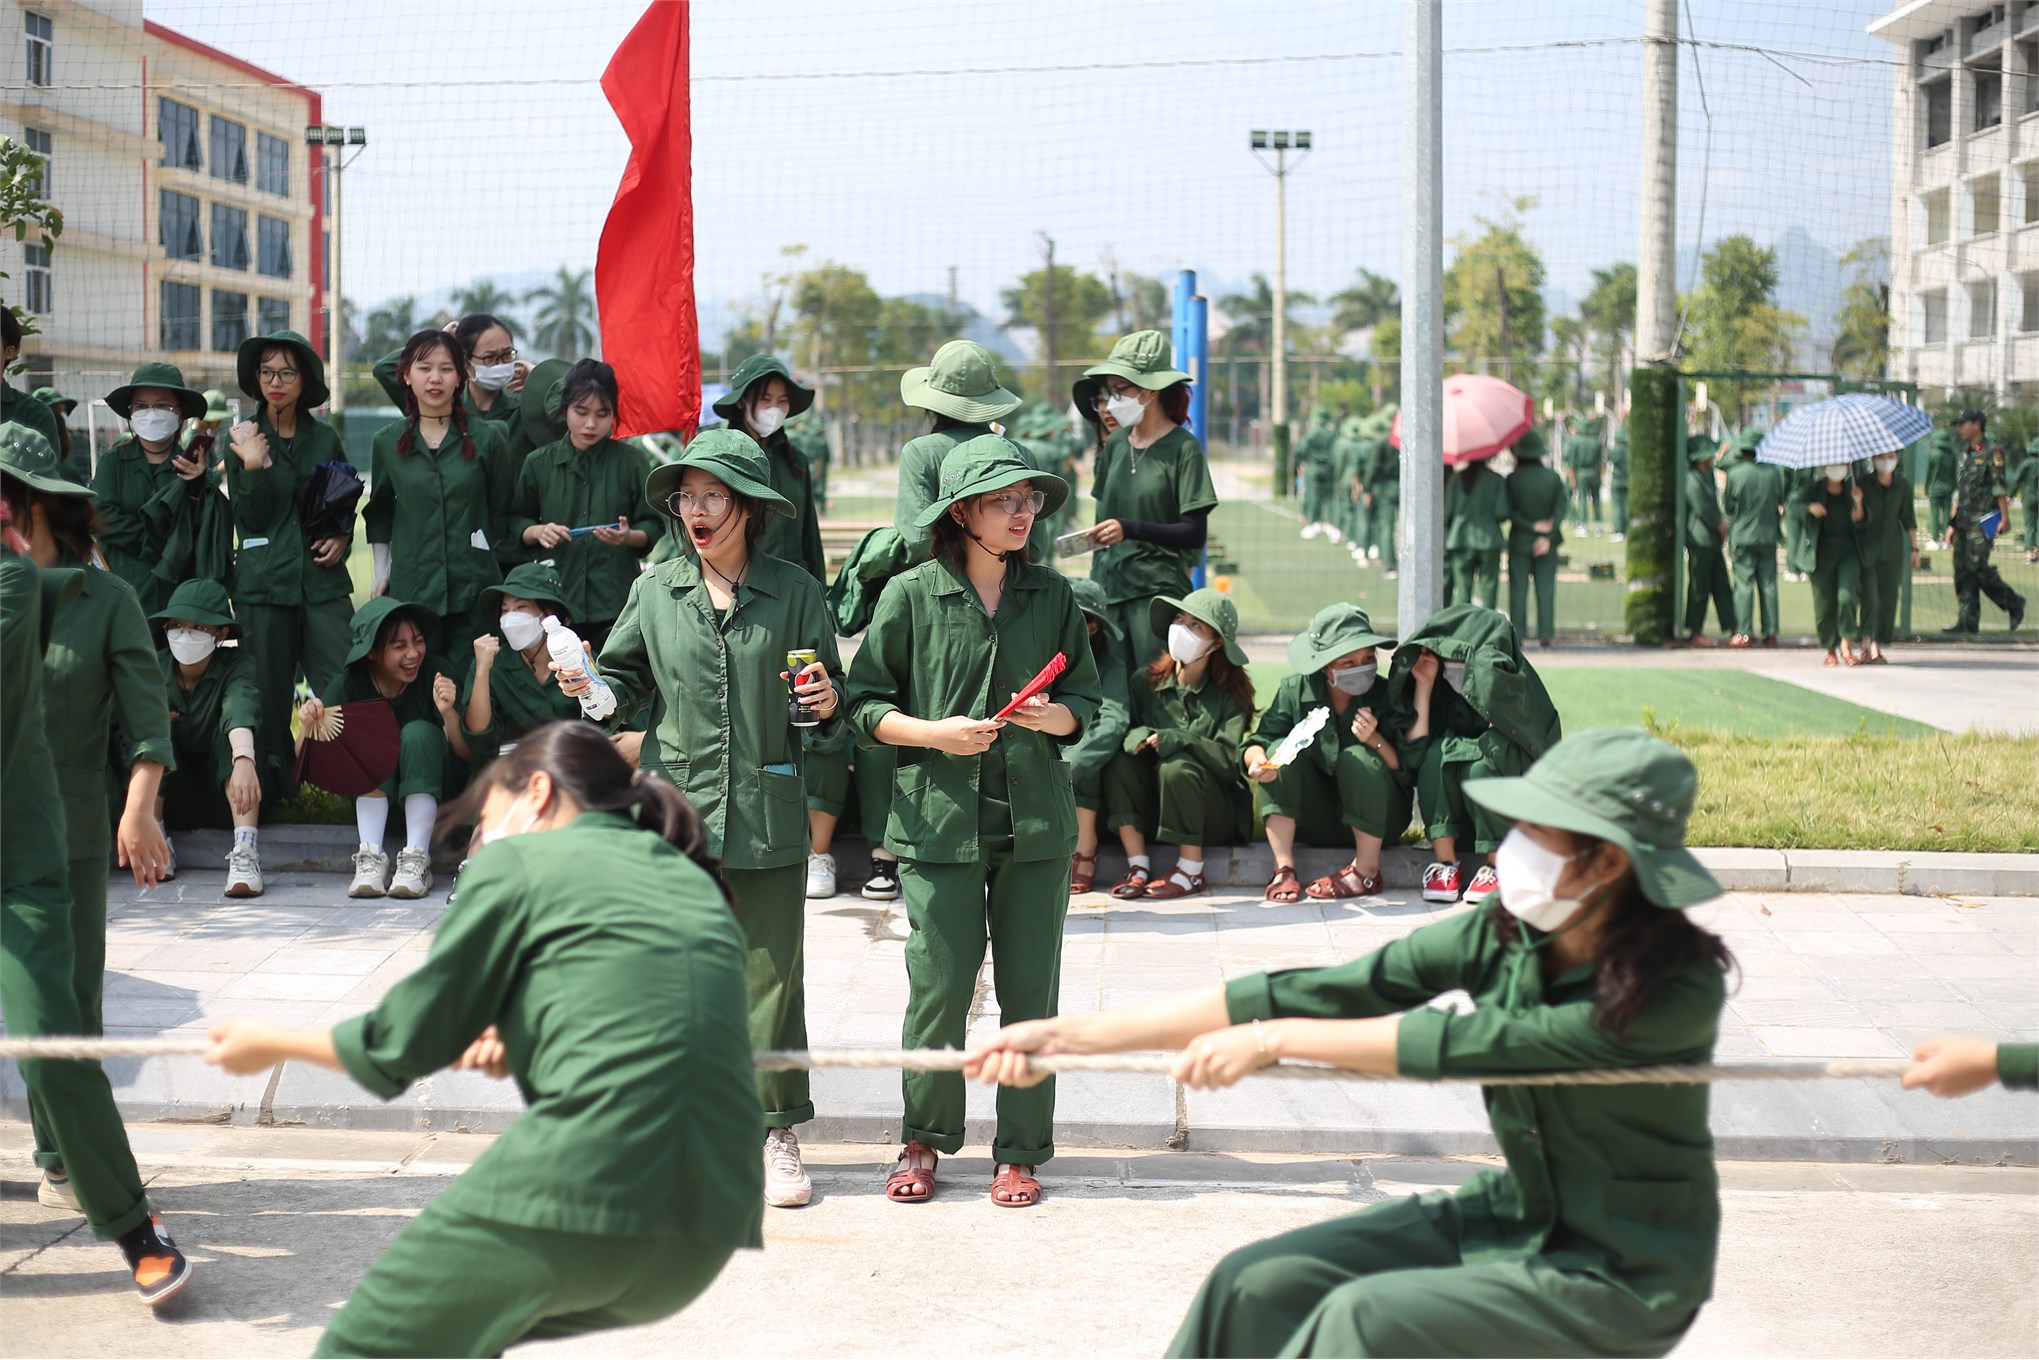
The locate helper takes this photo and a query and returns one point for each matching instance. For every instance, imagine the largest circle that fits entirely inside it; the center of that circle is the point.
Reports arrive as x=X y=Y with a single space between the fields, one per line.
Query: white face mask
x=1835 y=471
x=1455 y=675
x=494 y=377
x=1126 y=409
x=766 y=420
x=1529 y=880
x=1887 y=463
x=1353 y=680
x=520 y=630
x=154 y=426
x=1184 y=644
x=189 y=645
x=484 y=835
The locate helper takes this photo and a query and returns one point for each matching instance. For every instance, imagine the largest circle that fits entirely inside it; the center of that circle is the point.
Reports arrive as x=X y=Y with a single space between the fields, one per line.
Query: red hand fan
x=1034 y=686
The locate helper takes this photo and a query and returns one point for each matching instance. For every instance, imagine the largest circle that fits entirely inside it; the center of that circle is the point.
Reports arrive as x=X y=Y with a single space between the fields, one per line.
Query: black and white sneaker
x=160 y=1270
x=883 y=884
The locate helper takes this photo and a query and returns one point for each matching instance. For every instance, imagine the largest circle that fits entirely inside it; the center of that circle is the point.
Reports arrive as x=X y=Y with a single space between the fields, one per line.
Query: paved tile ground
x=1822 y=976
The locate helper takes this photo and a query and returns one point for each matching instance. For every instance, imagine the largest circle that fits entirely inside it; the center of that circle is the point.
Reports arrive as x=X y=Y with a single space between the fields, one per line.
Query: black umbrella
x=326 y=500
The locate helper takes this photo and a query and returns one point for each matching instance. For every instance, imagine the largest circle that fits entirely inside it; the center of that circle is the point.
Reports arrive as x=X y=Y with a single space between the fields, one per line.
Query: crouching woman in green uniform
x=1094 y=750
x=215 y=713
x=982 y=819
x=509 y=693
x=1599 y=1238
x=615 y=997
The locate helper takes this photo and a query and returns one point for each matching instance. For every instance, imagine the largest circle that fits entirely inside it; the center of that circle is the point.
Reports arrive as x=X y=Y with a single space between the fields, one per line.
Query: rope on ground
x=952 y=1060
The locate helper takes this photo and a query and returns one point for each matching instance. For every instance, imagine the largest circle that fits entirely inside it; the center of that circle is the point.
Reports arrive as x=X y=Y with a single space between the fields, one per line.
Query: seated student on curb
x=1177 y=778
x=1094 y=749
x=1349 y=781
x=215 y=712
x=511 y=690
x=388 y=661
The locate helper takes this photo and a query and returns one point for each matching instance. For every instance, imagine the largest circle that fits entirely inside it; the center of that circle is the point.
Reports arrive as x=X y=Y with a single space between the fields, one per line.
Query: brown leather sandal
x=1277 y=893
x=1014 y=1188
x=1134 y=884
x=1332 y=887
x=1079 y=881
x=1177 y=884
x=912 y=1183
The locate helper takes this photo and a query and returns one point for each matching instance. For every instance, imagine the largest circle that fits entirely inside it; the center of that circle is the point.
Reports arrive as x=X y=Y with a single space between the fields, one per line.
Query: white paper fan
x=1299 y=738
x=329 y=726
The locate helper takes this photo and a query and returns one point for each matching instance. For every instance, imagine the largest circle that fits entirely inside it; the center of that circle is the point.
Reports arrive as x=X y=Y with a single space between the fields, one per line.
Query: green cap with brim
x=166 y=376
x=1143 y=359
x=1699 y=448
x=28 y=458
x=537 y=581
x=200 y=602
x=961 y=383
x=538 y=405
x=310 y=368
x=988 y=463
x=56 y=401
x=369 y=618
x=730 y=455
x=1090 y=599
x=1621 y=785
x=1336 y=630
x=1748 y=441
x=753 y=371
x=216 y=407
x=1207 y=606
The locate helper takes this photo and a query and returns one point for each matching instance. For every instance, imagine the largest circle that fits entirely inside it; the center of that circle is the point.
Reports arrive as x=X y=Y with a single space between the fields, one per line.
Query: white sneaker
x=787 y=1184
x=57 y=1192
x=170 y=855
x=1309 y=531
x=244 y=871
x=821 y=875
x=1334 y=533
x=1374 y=551
x=371 y=871
x=413 y=876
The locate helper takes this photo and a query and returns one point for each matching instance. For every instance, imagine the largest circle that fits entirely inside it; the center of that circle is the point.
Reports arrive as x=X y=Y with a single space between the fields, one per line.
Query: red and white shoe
x=1441 y=883
x=1484 y=888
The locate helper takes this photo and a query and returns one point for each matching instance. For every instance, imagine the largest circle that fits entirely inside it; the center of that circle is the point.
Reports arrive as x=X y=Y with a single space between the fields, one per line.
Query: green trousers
x=1392 y=1280
x=834 y=786
x=1138 y=643
x=1473 y=576
x=1885 y=577
x=1361 y=794
x=771 y=906
x=1939 y=513
x=1617 y=508
x=1706 y=581
x=1176 y=801
x=1440 y=793
x=1837 y=598
x=1385 y=510
x=1523 y=568
x=1354 y=518
x=952 y=910
x=1795 y=520
x=1756 y=583
x=71 y=1102
x=422 y=761
x=288 y=641
x=2028 y=533
x=87 y=924
x=455 y=1285
x=1088 y=786
x=1318 y=504
x=1586 y=501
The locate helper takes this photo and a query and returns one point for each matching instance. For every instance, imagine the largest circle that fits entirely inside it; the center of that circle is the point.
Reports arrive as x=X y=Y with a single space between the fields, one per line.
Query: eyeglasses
x=171 y=407
x=1013 y=503
x=1101 y=400
x=682 y=503
x=277 y=375
x=501 y=356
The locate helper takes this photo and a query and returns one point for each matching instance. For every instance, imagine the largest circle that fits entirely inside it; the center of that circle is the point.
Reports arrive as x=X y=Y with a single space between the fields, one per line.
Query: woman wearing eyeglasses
x=701 y=645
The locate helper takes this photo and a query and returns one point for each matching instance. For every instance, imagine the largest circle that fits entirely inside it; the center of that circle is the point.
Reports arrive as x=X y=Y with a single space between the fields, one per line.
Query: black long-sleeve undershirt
x=1186 y=533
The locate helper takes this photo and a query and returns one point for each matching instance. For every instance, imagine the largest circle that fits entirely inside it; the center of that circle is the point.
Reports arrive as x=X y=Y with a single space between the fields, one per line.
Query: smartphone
x=1075 y=544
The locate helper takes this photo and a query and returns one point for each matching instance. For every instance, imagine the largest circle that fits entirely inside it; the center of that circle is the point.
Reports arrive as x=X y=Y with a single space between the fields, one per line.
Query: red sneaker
x=1484 y=888
x=1441 y=883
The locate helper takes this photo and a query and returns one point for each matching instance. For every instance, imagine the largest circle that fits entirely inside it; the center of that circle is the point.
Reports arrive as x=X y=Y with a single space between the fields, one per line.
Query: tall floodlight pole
x=1656 y=294
x=332 y=143
x=1280 y=143
x=1420 y=589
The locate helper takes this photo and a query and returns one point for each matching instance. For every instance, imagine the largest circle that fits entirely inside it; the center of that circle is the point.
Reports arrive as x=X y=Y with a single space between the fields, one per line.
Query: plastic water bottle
x=564 y=646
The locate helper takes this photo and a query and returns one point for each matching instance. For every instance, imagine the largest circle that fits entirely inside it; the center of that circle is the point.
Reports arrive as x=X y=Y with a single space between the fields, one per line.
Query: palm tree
x=483 y=295
x=1369 y=301
x=564 y=324
x=1251 y=315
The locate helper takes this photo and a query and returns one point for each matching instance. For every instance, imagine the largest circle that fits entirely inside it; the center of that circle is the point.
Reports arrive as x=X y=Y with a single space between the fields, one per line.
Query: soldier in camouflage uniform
x=1979 y=487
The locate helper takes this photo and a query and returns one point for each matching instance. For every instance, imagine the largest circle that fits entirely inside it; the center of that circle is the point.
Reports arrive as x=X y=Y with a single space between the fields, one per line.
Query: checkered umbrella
x=1843 y=429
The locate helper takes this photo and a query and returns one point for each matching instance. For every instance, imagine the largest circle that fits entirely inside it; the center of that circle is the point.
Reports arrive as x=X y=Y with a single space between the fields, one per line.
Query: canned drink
x=799 y=714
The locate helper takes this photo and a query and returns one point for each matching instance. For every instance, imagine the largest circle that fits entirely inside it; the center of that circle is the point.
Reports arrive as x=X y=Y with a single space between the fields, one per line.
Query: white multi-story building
x=193 y=210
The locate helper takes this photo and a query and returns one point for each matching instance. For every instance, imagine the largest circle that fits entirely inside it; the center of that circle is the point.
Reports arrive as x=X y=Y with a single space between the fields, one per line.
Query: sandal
x=1134 y=884
x=1177 y=884
x=1293 y=892
x=1014 y=1187
x=1079 y=881
x=1333 y=886
x=912 y=1183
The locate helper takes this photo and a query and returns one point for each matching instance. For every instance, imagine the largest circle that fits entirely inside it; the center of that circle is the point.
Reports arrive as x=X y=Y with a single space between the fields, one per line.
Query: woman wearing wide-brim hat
x=293 y=595
x=1152 y=487
x=1176 y=778
x=981 y=814
x=1091 y=753
x=510 y=689
x=762 y=397
x=1600 y=1235
x=162 y=519
x=701 y=647
x=1348 y=784
x=215 y=712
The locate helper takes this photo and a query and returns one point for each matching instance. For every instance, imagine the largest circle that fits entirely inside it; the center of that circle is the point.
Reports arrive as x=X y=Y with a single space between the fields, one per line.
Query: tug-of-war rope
x=952 y=1060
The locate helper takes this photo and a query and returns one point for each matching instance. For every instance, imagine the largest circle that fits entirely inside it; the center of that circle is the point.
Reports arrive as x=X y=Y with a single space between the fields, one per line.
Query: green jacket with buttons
x=31 y=810
x=1614 y=1181
x=518 y=702
x=159 y=530
x=1293 y=700
x=225 y=697
x=2018 y=1066
x=1501 y=712
x=560 y=484
x=794 y=538
x=614 y=972
x=717 y=710
x=445 y=516
x=1099 y=741
x=505 y=414
x=274 y=564
x=1475 y=506
x=1617 y=461
x=1752 y=501
x=1703 y=516
x=1536 y=492
x=1203 y=724
x=932 y=652
x=920 y=485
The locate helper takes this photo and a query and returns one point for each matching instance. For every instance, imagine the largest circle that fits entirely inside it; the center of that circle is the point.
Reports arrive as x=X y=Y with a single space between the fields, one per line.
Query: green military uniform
x=520 y=699
x=1475 y=506
x=1943 y=468
x=160 y=530
x=1098 y=744
x=1706 y=574
x=226 y=696
x=1348 y=454
x=984 y=841
x=425 y=760
x=1751 y=501
x=1833 y=555
x=1617 y=482
x=633 y=1173
x=2024 y=486
x=444 y=516
x=1497 y=722
x=74 y=469
x=1317 y=457
x=1979 y=485
x=709 y=682
x=1887 y=549
x=1335 y=786
x=1599 y=1236
x=2018 y=1066
x=1796 y=537
x=1188 y=790
x=1536 y=494
x=505 y=415
x=1582 y=460
x=795 y=535
x=1382 y=479
x=810 y=441
x=39 y=932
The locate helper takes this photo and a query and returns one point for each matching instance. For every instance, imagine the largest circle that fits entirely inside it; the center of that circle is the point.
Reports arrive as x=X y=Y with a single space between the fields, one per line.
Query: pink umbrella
x=1482 y=416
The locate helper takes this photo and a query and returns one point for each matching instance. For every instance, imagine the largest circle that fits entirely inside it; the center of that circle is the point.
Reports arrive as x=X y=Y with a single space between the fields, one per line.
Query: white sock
x=371 y=819
x=244 y=835
x=880 y=857
x=1139 y=862
x=420 y=811
x=1192 y=867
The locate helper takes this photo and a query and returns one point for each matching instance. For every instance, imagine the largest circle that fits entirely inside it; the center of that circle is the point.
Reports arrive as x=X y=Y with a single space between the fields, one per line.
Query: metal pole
x=1420 y=588
x=1284 y=472
x=336 y=342
x=1656 y=298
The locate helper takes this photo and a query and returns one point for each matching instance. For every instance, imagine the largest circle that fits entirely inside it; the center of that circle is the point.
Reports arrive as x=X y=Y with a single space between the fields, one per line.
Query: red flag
x=644 y=271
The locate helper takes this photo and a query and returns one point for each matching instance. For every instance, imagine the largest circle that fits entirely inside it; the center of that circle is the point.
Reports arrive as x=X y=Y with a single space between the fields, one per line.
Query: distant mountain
x=1810 y=281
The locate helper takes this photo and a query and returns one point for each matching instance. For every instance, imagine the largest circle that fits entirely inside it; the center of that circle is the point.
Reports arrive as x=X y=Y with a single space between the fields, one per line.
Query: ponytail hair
x=415 y=348
x=586 y=766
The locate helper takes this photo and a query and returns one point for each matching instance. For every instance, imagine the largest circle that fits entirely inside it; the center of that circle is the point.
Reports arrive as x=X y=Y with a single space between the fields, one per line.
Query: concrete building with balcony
x=193 y=211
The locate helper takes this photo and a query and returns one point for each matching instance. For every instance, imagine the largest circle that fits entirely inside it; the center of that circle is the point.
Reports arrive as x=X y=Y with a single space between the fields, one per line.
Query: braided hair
x=416 y=348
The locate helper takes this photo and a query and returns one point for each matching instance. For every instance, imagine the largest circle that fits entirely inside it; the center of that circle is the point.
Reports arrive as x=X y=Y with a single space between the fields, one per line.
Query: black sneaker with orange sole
x=160 y=1270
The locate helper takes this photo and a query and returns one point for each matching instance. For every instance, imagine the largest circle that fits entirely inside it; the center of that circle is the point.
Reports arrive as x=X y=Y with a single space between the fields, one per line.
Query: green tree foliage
x=24 y=210
x=1080 y=303
x=564 y=324
x=1732 y=322
x=389 y=325
x=1564 y=369
x=1493 y=297
x=1140 y=303
x=1862 y=325
x=484 y=295
x=1366 y=303
x=1609 y=309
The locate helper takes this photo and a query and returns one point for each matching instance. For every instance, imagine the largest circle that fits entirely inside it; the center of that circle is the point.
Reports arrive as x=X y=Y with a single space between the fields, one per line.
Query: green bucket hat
x=538 y=406
x=750 y=371
x=990 y=462
x=56 y=401
x=216 y=407
x=1090 y=599
x=200 y=602
x=26 y=456
x=728 y=454
x=1336 y=630
x=1700 y=447
x=368 y=621
x=1531 y=445
x=191 y=404
x=311 y=368
x=1748 y=441
x=1142 y=359
x=1622 y=785
x=1352 y=427
x=961 y=383
x=527 y=581
x=1207 y=606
